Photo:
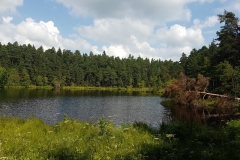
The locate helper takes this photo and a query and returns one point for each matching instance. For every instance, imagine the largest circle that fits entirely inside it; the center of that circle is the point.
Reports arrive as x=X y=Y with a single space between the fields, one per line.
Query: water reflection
x=50 y=106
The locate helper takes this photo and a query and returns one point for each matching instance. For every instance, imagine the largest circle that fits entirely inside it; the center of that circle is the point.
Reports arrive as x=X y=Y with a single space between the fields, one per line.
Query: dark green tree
x=226 y=76
x=13 y=77
x=229 y=38
x=25 y=78
x=3 y=77
x=183 y=62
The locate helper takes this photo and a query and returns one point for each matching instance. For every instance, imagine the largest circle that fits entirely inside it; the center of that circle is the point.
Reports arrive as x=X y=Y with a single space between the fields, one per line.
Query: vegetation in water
x=71 y=139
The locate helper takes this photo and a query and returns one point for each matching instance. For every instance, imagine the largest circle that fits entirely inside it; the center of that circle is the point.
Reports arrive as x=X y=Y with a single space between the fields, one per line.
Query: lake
x=52 y=105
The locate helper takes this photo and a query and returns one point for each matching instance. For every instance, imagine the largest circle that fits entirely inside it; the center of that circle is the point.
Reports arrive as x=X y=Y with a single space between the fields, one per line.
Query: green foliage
x=13 y=77
x=3 y=77
x=39 y=80
x=229 y=38
x=27 y=65
x=220 y=61
x=25 y=78
x=190 y=140
x=227 y=77
x=71 y=139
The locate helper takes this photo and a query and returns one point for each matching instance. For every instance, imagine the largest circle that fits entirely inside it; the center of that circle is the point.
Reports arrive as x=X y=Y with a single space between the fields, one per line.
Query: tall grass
x=192 y=140
x=71 y=139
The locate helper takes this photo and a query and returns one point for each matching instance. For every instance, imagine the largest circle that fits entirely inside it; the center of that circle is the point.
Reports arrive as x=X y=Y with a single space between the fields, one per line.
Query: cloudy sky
x=159 y=29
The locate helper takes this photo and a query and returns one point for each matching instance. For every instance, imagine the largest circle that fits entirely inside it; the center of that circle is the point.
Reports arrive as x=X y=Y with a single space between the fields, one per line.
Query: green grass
x=40 y=87
x=71 y=139
x=14 y=87
x=90 y=88
x=115 y=89
x=107 y=88
x=29 y=87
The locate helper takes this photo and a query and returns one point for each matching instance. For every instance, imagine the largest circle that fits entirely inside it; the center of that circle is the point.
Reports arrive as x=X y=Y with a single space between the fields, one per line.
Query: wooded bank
x=190 y=94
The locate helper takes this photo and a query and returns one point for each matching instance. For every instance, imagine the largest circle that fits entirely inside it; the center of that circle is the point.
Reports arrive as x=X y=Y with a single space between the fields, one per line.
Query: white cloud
x=116 y=50
x=30 y=30
x=209 y=22
x=231 y=6
x=134 y=27
x=115 y=30
x=9 y=5
x=7 y=8
x=124 y=27
x=135 y=48
x=7 y=19
x=180 y=36
x=208 y=1
x=151 y=10
x=143 y=49
x=41 y=33
x=236 y=7
x=136 y=38
x=173 y=53
x=74 y=42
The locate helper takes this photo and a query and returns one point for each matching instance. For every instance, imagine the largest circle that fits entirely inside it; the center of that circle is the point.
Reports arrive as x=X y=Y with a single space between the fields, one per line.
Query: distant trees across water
x=25 y=65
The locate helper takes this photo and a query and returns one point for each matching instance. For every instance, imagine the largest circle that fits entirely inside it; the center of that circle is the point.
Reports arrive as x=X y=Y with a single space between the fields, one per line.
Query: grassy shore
x=71 y=139
x=28 y=87
x=121 y=89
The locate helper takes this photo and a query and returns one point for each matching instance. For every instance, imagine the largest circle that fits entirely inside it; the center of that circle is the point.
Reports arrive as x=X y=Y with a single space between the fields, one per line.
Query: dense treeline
x=220 y=61
x=25 y=65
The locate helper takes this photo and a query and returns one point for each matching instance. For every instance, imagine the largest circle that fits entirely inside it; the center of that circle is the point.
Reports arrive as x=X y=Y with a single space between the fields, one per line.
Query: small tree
x=3 y=77
x=13 y=77
x=25 y=78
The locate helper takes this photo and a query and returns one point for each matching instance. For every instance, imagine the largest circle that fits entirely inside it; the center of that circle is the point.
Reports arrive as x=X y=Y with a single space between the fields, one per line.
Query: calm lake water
x=50 y=106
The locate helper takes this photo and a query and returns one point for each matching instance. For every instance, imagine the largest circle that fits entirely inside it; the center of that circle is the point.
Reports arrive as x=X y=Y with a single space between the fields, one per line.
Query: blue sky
x=156 y=29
